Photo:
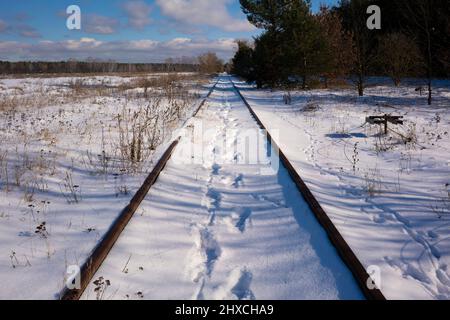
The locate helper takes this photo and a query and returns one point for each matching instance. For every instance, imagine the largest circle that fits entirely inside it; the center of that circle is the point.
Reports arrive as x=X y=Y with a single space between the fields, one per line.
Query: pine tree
x=265 y=14
x=304 y=45
x=242 y=63
x=267 y=58
x=292 y=44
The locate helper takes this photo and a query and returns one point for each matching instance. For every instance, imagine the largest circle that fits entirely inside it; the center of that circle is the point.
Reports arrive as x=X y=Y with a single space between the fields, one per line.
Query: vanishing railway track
x=103 y=248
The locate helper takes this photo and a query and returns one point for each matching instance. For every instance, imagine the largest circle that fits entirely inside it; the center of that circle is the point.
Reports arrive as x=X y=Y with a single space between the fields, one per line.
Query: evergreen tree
x=265 y=14
x=242 y=63
x=292 y=43
x=268 y=15
x=267 y=58
x=304 y=46
x=337 y=42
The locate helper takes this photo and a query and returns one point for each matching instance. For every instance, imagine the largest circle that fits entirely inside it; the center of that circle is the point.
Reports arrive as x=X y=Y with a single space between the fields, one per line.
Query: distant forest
x=36 y=67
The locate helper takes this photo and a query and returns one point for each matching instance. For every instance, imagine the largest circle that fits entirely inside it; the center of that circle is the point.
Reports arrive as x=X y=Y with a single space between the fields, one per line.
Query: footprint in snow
x=215 y=169
x=204 y=255
x=379 y=219
x=238 y=181
x=244 y=216
x=242 y=288
x=212 y=199
x=237 y=286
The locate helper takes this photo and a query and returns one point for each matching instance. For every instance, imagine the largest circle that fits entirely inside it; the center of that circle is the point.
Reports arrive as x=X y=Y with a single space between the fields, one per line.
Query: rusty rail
x=98 y=255
x=102 y=249
x=338 y=241
x=204 y=100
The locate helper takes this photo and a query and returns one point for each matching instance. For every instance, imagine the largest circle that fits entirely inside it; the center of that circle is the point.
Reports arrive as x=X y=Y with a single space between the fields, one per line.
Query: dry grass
x=442 y=207
x=69 y=189
x=373 y=182
x=4 y=174
x=80 y=88
x=142 y=130
x=73 y=75
x=147 y=118
x=163 y=82
x=37 y=99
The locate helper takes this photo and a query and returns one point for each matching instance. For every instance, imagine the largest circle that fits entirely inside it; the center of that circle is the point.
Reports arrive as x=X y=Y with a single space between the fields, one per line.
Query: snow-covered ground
x=388 y=195
x=64 y=173
x=222 y=225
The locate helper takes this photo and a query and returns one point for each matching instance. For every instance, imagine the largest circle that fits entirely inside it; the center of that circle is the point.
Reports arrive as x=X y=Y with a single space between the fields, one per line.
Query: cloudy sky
x=122 y=30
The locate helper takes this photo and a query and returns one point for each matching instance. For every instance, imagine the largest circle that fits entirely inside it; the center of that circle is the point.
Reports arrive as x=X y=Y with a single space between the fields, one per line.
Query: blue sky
x=122 y=30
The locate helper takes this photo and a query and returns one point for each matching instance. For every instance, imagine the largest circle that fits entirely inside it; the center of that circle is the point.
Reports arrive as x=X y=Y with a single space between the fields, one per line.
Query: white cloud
x=138 y=13
x=143 y=44
x=145 y=50
x=13 y=48
x=220 y=45
x=9 y=46
x=204 y=12
x=98 y=24
x=178 y=42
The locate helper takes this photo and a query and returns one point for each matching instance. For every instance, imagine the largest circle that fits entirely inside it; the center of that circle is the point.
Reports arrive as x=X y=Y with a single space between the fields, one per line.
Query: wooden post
x=384 y=120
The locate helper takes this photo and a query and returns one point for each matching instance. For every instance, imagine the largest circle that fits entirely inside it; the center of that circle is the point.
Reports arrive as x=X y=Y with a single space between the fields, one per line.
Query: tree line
x=207 y=63
x=299 y=47
x=35 y=67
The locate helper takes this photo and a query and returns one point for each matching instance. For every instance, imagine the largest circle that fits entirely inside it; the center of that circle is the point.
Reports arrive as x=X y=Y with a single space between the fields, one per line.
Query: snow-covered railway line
x=220 y=229
x=77 y=283
x=346 y=253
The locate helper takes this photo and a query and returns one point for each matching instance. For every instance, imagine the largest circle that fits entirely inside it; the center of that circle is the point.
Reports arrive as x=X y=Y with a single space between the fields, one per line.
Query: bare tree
x=421 y=14
x=209 y=63
x=363 y=55
x=444 y=53
x=339 y=44
x=354 y=15
x=399 y=56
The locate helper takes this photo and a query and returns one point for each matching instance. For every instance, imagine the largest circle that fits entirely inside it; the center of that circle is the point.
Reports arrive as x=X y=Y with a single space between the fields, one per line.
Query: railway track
x=346 y=253
x=210 y=245
x=100 y=252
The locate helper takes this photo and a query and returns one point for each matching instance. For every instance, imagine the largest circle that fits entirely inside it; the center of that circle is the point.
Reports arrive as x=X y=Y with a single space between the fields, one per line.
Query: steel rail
x=338 y=241
x=102 y=249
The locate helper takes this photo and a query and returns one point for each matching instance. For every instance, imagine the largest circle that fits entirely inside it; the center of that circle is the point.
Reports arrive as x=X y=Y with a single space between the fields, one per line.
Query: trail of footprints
x=207 y=250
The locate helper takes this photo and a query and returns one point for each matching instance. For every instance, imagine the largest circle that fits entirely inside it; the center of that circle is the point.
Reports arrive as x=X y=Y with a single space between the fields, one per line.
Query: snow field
x=388 y=195
x=219 y=229
x=63 y=177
